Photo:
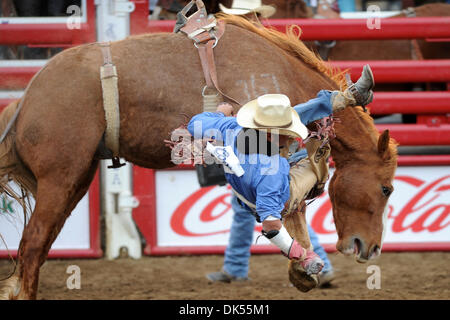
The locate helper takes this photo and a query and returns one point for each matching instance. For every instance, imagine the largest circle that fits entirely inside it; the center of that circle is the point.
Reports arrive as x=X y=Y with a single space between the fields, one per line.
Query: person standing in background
x=237 y=253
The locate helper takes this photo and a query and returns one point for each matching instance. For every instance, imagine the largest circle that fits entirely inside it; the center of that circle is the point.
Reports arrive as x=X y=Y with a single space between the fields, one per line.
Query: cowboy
x=263 y=182
x=237 y=252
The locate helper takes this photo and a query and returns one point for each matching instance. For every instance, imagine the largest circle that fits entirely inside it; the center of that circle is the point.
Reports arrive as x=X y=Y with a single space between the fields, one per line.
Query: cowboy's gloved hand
x=290 y=248
x=225 y=108
x=308 y=259
x=296 y=251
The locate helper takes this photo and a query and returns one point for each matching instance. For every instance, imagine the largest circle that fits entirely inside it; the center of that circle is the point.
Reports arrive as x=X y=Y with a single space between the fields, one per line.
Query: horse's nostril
x=375 y=252
x=357 y=245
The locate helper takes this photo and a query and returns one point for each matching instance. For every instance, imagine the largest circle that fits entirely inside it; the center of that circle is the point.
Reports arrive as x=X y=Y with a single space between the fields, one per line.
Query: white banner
x=74 y=235
x=188 y=215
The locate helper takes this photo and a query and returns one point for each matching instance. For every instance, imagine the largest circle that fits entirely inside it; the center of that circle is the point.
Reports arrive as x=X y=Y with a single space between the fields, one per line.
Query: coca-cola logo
x=428 y=209
x=220 y=205
x=177 y=222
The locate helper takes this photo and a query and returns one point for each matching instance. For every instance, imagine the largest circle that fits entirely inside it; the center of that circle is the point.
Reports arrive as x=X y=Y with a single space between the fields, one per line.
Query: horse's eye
x=386 y=191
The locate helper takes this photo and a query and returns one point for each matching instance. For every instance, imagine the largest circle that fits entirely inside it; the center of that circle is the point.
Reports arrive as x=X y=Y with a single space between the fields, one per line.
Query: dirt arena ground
x=403 y=276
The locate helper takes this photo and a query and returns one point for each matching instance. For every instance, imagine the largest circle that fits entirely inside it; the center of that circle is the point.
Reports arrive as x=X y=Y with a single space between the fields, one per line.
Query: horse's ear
x=383 y=145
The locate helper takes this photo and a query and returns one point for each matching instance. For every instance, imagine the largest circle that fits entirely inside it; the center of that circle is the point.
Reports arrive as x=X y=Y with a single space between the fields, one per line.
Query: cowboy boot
x=357 y=94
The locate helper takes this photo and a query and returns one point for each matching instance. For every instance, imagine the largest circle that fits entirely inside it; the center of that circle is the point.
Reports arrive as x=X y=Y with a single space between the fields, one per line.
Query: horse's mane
x=291 y=44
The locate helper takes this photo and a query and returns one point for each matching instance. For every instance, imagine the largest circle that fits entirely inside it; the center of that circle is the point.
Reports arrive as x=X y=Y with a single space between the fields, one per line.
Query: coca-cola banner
x=79 y=238
x=74 y=234
x=419 y=211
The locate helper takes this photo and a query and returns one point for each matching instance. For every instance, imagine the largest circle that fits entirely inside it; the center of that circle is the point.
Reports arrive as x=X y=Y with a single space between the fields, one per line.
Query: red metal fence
x=40 y=35
x=50 y=34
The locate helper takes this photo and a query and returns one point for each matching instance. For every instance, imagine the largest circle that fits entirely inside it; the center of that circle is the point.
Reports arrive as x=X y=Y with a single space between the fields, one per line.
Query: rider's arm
x=211 y=125
x=277 y=234
x=315 y=109
x=225 y=108
x=272 y=192
x=272 y=187
x=269 y=224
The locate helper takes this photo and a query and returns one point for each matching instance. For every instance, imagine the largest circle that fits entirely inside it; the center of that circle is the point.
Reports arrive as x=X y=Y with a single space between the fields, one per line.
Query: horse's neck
x=356 y=137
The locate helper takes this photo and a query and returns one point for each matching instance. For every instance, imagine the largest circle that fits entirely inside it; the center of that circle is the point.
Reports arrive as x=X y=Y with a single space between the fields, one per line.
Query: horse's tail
x=12 y=168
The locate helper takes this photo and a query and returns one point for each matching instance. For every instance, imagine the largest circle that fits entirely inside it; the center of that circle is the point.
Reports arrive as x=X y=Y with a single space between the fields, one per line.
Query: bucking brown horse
x=51 y=148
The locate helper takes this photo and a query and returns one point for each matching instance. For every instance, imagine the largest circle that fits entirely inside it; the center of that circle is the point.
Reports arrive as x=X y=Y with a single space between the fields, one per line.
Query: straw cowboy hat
x=272 y=111
x=241 y=7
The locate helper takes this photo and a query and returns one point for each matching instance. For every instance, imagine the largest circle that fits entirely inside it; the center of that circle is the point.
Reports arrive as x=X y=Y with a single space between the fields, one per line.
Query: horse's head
x=360 y=187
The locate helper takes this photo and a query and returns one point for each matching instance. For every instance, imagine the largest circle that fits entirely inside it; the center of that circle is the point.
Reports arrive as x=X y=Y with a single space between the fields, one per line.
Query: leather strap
x=205 y=33
x=249 y=204
x=197 y=23
x=204 y=50
x=287 y=209
x=206 y=54
x=244 y=200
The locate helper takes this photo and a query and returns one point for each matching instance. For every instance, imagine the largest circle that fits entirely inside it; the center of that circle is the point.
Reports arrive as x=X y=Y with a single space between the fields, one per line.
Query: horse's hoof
x=300 y=279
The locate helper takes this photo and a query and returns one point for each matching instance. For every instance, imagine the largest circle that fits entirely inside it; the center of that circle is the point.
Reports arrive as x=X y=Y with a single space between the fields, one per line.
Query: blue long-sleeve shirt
x=266 y=178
